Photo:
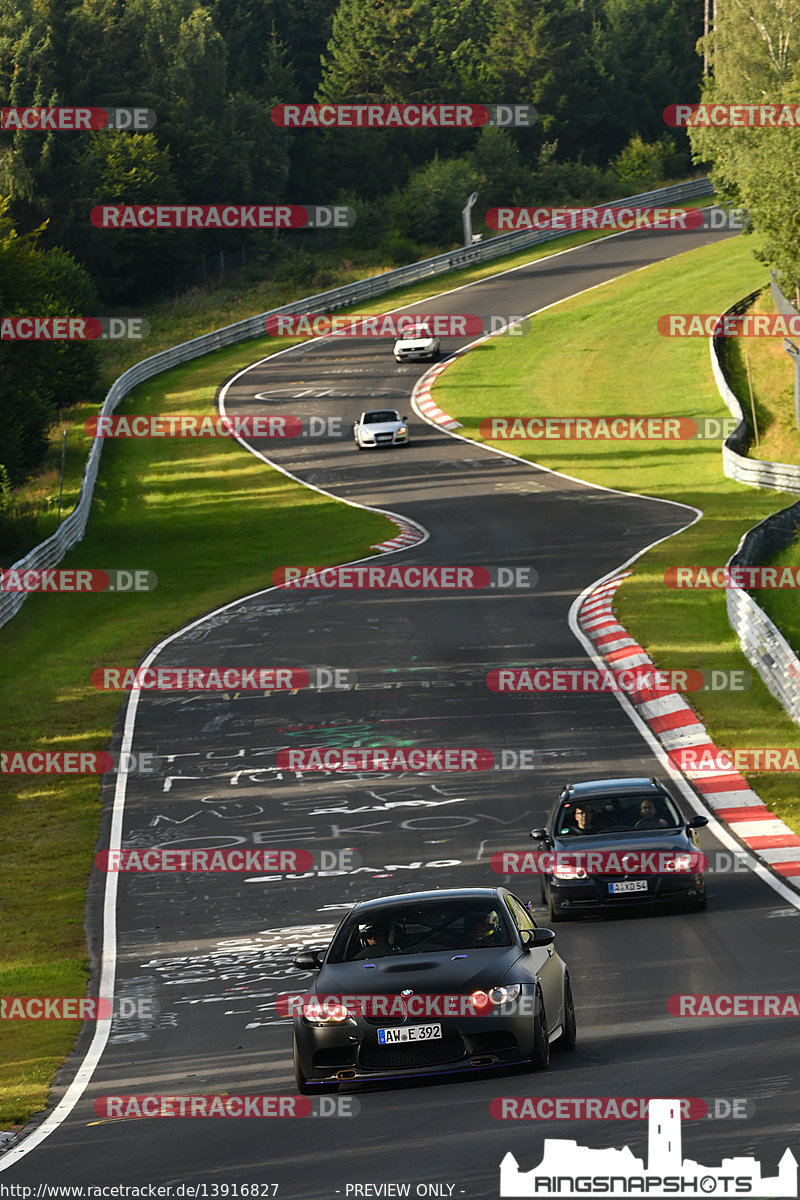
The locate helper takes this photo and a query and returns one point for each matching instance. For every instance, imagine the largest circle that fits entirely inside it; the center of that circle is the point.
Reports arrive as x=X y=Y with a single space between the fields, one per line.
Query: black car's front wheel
x=540 y=1051
x=554 y=911
x=569 y=1032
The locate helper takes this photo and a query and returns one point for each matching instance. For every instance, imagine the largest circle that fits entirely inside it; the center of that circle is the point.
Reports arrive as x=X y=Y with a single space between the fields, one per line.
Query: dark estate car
x=618 y=844
x=431 y=983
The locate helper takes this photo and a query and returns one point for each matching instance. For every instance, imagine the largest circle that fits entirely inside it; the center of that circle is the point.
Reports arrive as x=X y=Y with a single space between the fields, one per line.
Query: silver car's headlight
x=403 y=429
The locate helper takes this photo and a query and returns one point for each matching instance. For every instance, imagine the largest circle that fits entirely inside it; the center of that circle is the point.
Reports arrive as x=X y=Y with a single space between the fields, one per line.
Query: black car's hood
x=453 y=972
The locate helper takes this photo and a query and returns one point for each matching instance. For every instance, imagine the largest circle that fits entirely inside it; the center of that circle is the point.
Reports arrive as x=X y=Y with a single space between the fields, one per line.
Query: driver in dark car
x=374 y=942
x=648 y=816
x=482 y=928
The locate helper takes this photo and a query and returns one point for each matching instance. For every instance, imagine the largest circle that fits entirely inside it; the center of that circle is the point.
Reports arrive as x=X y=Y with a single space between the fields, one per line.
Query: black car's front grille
x=449 y=1048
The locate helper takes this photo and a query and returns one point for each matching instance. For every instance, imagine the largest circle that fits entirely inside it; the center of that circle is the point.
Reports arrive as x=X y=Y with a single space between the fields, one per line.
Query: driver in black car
x=648 y=816
x=374 y=942
x=482 y=928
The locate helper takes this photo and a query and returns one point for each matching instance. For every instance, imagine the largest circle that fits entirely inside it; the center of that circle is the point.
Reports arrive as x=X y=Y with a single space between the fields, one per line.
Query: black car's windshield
x=377 y=418
x=422 y=929
x=617 y=814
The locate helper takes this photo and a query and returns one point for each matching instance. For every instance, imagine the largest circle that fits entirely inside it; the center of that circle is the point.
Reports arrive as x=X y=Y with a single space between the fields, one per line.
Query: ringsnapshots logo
x=644 y=681
x=422 y=759
x=65 y=118
x=729 y=116
x=219 y=679
x=53 y=579
x=604 y=429
x=222 y=216
x=567 y=1169
x=406 y=578
x=127 y=1107
x=403 y=116
x=728 y=325
x=72 y=329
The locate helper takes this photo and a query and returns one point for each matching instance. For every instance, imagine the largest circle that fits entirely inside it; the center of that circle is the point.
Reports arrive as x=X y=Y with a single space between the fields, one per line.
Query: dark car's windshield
x=422 y=929
x=617 y=814
x=377 y=418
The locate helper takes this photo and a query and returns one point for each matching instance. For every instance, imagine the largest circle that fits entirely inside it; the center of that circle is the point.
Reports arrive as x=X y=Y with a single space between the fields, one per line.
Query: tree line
x=599 y=72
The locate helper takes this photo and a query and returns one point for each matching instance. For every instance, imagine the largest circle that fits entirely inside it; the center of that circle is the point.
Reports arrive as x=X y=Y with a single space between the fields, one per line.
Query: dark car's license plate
x=409 y=1033
x=628 y=885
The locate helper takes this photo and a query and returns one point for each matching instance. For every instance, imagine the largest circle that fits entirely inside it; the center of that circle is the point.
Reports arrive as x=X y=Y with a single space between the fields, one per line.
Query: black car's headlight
x=566 y=870
x=484 y=1002
x=326 y=1012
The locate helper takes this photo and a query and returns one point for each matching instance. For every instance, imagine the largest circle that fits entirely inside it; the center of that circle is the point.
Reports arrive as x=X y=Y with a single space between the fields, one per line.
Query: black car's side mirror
x=541 y=835
x=537 y=938
x=308 y=960
x=697 y=823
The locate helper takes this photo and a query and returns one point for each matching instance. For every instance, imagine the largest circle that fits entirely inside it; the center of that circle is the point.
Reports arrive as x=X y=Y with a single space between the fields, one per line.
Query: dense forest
x=600 y=73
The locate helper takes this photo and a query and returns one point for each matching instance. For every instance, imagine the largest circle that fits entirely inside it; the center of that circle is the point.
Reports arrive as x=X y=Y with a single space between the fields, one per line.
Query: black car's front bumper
x=593 y=894
x=336 y=1054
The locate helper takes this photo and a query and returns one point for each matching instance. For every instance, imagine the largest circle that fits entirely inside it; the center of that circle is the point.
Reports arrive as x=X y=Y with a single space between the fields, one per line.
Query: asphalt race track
x=211 y=952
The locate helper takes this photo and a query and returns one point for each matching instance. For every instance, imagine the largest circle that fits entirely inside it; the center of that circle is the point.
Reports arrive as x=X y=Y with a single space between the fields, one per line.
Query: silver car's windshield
x=378 y=418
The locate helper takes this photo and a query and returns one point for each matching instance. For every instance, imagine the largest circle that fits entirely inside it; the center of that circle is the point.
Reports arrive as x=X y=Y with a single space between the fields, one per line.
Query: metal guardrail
x=762 y=643
x=73 y=527
x=783 y=477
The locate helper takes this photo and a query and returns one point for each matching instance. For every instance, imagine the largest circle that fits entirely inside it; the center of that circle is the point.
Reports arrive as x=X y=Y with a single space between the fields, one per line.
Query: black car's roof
x=604 y=787
x=469 y=893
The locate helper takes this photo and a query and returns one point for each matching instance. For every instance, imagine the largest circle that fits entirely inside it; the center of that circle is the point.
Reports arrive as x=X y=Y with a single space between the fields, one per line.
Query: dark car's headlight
x=483 y=1002
x=325 y=1012
x=565 y=870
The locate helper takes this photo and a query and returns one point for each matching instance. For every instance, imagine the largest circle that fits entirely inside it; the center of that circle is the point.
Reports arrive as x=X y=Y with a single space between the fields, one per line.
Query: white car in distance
x=380 y=427
x=419 y=346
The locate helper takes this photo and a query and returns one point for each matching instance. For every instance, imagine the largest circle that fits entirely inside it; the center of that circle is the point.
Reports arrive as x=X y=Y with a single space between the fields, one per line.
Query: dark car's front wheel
x=569 y=1034
x=554 y=910
x=540 y=1052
